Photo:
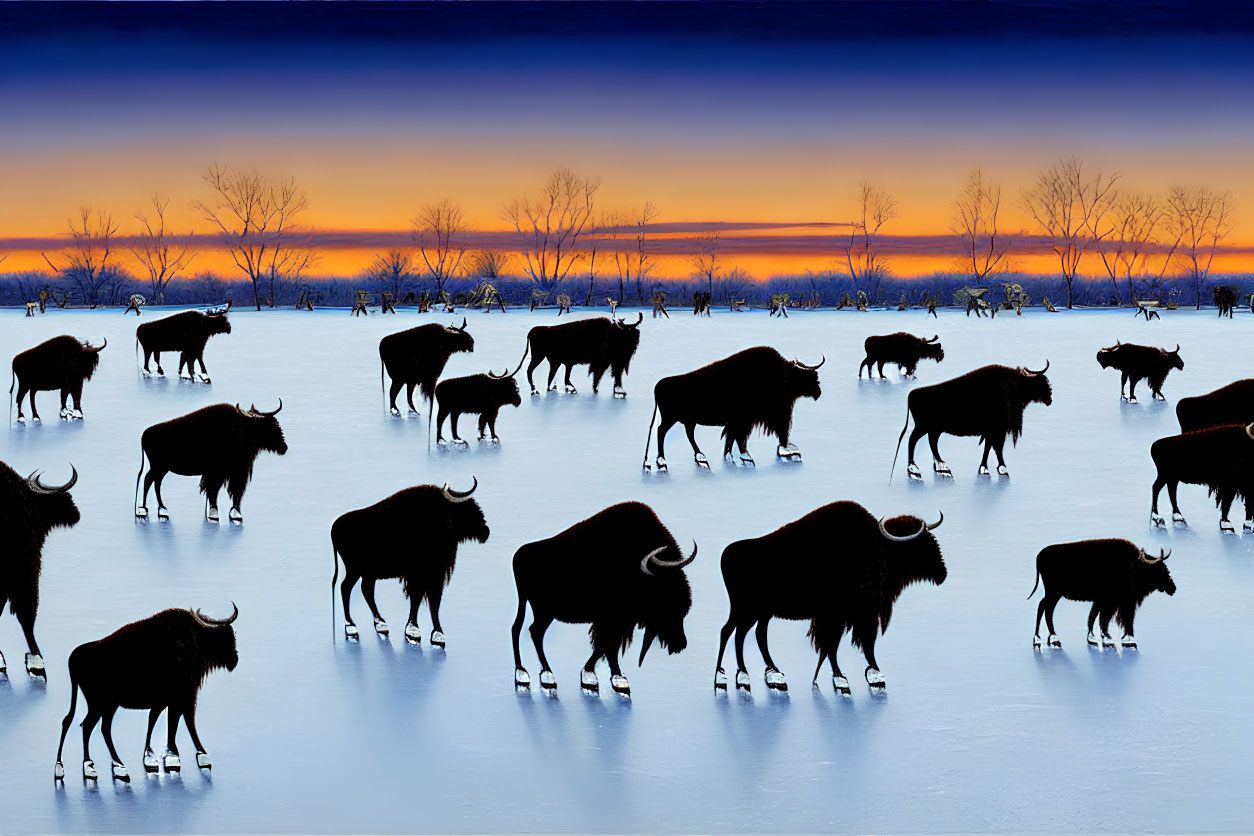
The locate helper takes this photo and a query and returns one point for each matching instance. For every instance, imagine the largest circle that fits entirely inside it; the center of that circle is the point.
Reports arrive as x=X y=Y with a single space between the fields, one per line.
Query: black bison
x=1231 y=404
x=1221 y=458
x=602 y=344
x=157 y=663
x=1225 y=300
x=1140 y=361
x=186 y=333
x=377 y=543
x=417 y=356
x=218 y=443
x=480 y=394
x=752 y=389
x=987 y=403
x=798 y=572
x=59 y=363
x=905 y=350
x=1115 y=575
x=29 y=509
x=617 y=570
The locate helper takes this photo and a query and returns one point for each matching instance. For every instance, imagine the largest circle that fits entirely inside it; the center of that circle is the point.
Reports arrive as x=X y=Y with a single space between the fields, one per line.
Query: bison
x=218 y=443
x=1137 y=361
x=1115 y=575
x=1221 y=458
x=59 y=363
x=417 y=356
x=482 y=394
x=839 y=568
x=987 y=402
x=29 y=509
x=601 y=344
x=373 y=547
x=157 y=663
x=752 y=389
x=905 y=350
x=617 y=570
x=1231 y=404
x=186 y=333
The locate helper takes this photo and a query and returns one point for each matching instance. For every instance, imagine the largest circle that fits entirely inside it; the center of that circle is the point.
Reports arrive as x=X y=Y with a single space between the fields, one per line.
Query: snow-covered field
x=976 y=732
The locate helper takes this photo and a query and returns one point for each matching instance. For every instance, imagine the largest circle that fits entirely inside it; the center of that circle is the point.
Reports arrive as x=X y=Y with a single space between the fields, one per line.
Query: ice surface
x=977 y=733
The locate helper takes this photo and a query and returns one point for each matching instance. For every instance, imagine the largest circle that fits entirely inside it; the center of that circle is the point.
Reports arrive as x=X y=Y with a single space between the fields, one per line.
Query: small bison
x=1221 y=458
x=29 y=509
x=377 y=543
x=59 y=363
x=1115 y=575
x=903 y=349
x=481 y=394
x=1140 y=361
x=157 y=663
x=416 y=357
x=1231 y=404
x=186 y=333
x=601 y=344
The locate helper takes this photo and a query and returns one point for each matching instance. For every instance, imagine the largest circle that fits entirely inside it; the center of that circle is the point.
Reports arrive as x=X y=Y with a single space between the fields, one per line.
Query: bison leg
x=106 y=729
x=435 y=594
x=89 y=723
x=663 y=427
x=1125 y=616
x=1132 y=382
x=34 y=413
x=698 y=456
x=1176 y=516
x=491 y=418
x=1048 y=604
x=880 y=368
x=200 y=358
x=346 y=592
x=864 y=635
x=26 y=617
x=538 y=627
x=151 y=764
x=1155 y=517
x=77 y=392
x=531 y=367
x=171 y=759
x=597 y=374
x=1123 y=381
x=157 y=356
x=235 y=486
x=453 y=424
x=938 y=464
x=570 y=387
x=394 y=389
x=367 y=592
x=147 y=357
x=915 y=434
x=588 y=676
x=1225 y=506
x=617 y=681
x=211 y=484
x=202 y=757
x=65 y=394
x=742 y=674
x=21 y=393
x=553 y=365
x=720 y=676
x=521 y=677
x=441 y=414
x=1094 y=612
x=409 y=397
x=774 y=678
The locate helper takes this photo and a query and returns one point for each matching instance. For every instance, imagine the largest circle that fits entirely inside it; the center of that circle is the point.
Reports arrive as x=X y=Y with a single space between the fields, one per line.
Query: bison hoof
x=21 y=419
x=788 y=453
x=235 y=515
x=1036 y=641
x=151 y=764
x=942 y=469
x=202 y=760
x=620 y=684
x=535 y=392
x=588 y=681
x=747 y=460
x=1157 y=520
x=58 y=771
x=720 y=679
x=1178 y=518
x=437 y=638
x=702 y=461
x=571 y=390
x=913 y=472
x=1093 y=640
x=413 y=633
x=1128 y=642
x=1225 y=526
x=552 y=387
x=461 y=442
x=120 y=773
x=1248 y=525
x=204 y=379
x=350 y=632
x=1053 y=641
x=78 y=413
x=661 y=464
x=35 y=664
x=212 y=516
x=163 y=514
x=620 y=393
x=841 y=685
x=395 y=411
x=742 y=679
x=873 y=677
x=141 y=512
x=172 y=762
x=984 y=470
x=548 y=680
x=380 y=626
x=1002 y=471
x=4 y=666
x=522 y=679
x=89 y=770
x=776 y=680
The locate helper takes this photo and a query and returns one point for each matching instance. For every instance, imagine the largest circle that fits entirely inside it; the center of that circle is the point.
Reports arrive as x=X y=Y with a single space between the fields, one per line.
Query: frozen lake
x=975 y=733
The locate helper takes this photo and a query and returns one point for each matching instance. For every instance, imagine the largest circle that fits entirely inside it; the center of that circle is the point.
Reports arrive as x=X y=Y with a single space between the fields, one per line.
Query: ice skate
x=588 y=681
x=151 y=764
x=620 y=684
x=172 y=762
x=380 y=626
x=202 y=760
x=350 y=632
x=522 y=679
x=548 y=680
x=702 y=461
x=413 y=633
x=841 y=685
x=912 y=470
x=776 y=680
x=742 y=679
x=874 y=678
x=437 y=638
x=89 y=770
x=120 y=773
x=720 y=679
x=35 y=665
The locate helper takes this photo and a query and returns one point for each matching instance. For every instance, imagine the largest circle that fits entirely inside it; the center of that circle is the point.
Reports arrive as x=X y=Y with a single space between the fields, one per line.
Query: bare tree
x=438 y=229
x=394 y=268
x=1127 y=226
x=974 y=220
x=489 y=264
x=156 y=249
x=87 y=265
x=596 y=235
x=1203 y=219
x=549 y=226
x=1064 y=203
x=640 y=232
x=705 y=263
x=875 y=208
x=255 y=216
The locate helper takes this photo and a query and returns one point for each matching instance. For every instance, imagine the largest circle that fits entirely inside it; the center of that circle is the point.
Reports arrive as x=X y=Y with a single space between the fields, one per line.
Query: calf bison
x=837 y=567
x=481 y=394
x=1140 y=361
x=157 y=663
x=29 y=509
x=417 y=357
x=617 y=570
x=752 y=389
x=185 y=332
x=905 y=350
x=377 y=542
x=1231 y=404
x=1221 y=458
x=59 y=363
x=601 y=344
x=1115 y=575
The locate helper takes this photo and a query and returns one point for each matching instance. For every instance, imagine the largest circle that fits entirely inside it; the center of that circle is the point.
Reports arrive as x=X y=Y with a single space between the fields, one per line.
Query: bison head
x=457 y=339
x=667 y=598
x=931 y=349
x=466 y=515
x=1152 y=575
x=263 y=428
x=1173 y=357
x=89 y=358
x=1106 y=356
x=624 y=340
x=912 y=550
x=1035 y=386
x=52 y=506
x=507 y=387
x=804 y=380
x=217 y=324
x=216 y=639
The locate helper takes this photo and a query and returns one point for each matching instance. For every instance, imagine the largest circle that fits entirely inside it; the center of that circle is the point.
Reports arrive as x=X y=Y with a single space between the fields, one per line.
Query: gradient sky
x=733 y=112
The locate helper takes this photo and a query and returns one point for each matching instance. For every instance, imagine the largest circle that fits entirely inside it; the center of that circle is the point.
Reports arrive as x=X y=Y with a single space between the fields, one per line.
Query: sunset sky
x=736 y=113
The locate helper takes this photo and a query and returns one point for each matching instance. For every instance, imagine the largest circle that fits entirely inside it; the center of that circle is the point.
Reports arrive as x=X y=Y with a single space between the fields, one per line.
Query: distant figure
x=739 y=305
x=387 y=302
x=359 y=304
x=30 y=308
x=43 y=299
x=779 y=304
x=1148 y=313
x=1225 y=300
x=659 y=305
x=613 y=303
x=931 y=307
x=1049 y=306
x=563 y=304
x=136 y=301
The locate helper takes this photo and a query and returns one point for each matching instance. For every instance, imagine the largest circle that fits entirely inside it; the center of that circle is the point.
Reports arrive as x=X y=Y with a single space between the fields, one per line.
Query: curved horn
x=459 y=496
x=935 y=337
x=259 y=414
x=802 y=365
x=240 y=409
x=37 y=485
x=936 y=525
x=496 y=376
x=895 y=538
x=1042 y=371
x=636 y=324
x=1162 y=556
x=206 y=621
x=1177 y=351
x=461 y=327
x=94 y=349
x=651 y=557
x=1249 y=430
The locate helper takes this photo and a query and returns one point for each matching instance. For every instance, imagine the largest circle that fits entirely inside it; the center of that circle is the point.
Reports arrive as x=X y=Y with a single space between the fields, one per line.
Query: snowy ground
x=975 y=733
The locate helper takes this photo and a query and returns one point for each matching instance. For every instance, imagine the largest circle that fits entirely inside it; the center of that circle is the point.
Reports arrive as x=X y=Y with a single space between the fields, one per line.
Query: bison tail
x=335 y=576
x=12 y=383
x=897 y=452
x=139 y=476
x=1035 y=585
x=648 y=439
x=69 y=717
x=526 y=351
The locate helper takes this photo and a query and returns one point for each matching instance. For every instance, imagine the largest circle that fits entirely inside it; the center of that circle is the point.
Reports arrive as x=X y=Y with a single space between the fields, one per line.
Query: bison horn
x=37 y=485
x=1249 y=430
x=802 y=365
x=1042 y=371
x=651 y=557
x=94 y=349
x=253 y=409
x=636 y=324
x=935 y=337
x=895 y=538
x=206 y=621
x=462 y=327
x=1177 y=351
x=496 y=376
x=459 y=496
x=936 y=525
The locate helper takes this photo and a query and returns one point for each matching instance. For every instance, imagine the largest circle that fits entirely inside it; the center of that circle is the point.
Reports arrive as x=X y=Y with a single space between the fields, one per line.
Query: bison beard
x=157 y=663
x=1231 y=404
x=481 y=394
x=615 y=571
x=1115 y=575
x=902 y=349
x=59 y=363
x=374 y=547
x=796 y=572
x=29 y=509
x=187 y=333
x=416 y=358
x=1221 y=458
x=1135 y=362
x=601 y=344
